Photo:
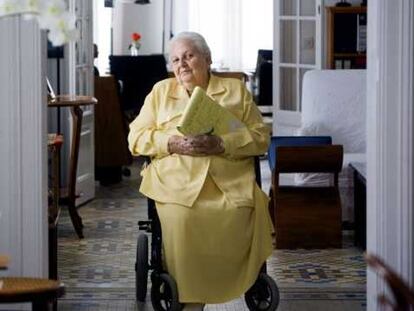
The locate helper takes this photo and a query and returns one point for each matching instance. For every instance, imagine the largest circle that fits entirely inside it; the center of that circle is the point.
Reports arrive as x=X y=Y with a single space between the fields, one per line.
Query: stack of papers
x=203 y=115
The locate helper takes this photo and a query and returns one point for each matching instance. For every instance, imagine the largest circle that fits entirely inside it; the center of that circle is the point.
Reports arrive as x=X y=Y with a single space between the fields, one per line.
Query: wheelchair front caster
x=141 y=267
x=263 y=295
x=164 y=293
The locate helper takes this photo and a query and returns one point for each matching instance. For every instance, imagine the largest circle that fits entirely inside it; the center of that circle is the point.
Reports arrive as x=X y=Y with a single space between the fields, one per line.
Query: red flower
x=135 y=36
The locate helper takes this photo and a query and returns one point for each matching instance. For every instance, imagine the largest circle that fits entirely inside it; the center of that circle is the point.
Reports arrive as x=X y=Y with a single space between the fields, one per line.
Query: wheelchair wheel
x=164 y=293
x=263 y=295
x=141 y=267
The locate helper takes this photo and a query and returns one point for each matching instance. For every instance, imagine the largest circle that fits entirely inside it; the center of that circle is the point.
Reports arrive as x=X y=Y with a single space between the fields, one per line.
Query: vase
x=133 y=50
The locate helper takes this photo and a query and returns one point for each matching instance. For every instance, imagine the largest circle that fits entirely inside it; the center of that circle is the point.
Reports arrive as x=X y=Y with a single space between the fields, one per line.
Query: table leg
x=77 y=115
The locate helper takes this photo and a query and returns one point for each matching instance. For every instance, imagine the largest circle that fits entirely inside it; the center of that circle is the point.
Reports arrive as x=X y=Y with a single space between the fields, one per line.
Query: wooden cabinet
x=346 y=37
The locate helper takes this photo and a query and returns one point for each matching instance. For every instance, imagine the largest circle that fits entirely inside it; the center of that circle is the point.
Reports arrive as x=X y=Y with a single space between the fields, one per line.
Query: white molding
x=390 y=139
x=34 y=153
x=23 y=165
x=290 y=119
x=10 y=170
x=407 y=141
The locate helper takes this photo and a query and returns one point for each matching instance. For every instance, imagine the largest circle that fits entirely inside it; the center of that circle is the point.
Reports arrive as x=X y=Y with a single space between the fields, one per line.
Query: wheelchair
x=262 y=296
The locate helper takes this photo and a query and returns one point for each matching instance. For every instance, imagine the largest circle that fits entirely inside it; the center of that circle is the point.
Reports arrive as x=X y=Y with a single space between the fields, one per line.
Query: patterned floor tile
x=99 y=270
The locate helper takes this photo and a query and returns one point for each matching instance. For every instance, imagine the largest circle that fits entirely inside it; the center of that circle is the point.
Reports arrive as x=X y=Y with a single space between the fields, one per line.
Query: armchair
x=278 y=141
x=307 y=217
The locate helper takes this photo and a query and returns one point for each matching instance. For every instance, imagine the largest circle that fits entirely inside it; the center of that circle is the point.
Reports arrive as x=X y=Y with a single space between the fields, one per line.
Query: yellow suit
x=214 y=219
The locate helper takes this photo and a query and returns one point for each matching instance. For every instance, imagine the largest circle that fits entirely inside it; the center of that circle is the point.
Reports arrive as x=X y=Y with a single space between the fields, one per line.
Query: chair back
x=310 y=159
x=137 y=74
x=264 y=78
x=277 y=141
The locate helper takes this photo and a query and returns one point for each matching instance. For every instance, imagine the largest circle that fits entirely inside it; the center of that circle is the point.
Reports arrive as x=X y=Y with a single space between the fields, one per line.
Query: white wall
x=102 y=29
x=144 y=19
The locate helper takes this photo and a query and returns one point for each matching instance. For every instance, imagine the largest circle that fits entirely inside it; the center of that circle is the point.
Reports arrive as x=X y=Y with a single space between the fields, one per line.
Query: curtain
x=234 y=29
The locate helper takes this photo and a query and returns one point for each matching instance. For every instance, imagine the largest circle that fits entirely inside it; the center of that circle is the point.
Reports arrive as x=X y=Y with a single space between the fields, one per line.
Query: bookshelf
x=346 y=37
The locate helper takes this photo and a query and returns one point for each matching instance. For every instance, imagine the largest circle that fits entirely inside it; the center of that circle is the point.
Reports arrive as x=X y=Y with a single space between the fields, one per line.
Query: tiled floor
x=99 y=270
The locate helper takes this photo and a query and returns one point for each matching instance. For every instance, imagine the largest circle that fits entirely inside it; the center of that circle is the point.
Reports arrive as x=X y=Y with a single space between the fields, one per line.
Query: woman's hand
x=198 y=145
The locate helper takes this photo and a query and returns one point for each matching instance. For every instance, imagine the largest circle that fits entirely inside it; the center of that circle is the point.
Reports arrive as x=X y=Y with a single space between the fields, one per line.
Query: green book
x=203 y=115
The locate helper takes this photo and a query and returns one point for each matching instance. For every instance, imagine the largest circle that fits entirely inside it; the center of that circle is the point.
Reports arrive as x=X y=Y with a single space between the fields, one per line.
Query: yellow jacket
x=173 y=178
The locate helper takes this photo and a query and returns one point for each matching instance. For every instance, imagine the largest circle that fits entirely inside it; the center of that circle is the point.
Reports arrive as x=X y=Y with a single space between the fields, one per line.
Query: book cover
x=203 y=115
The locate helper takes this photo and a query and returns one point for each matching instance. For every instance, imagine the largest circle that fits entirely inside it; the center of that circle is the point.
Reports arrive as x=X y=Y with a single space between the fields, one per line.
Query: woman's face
x=190 y=66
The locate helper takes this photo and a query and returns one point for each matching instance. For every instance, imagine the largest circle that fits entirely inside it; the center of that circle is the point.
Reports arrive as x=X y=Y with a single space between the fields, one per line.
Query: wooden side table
x=75 y=102
x=40 y=292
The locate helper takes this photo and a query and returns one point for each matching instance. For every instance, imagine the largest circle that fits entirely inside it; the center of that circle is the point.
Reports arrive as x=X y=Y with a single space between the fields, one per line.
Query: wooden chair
x=403 y=299
x=40 y=292
x=307 y=217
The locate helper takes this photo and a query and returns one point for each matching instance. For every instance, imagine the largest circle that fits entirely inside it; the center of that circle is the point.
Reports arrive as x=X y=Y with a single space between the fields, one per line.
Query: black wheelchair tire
x=141 y=267
x=263 y=295
x=164 y=293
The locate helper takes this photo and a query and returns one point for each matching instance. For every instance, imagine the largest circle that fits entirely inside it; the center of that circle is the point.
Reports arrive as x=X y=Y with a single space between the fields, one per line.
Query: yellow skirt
x=215 y=250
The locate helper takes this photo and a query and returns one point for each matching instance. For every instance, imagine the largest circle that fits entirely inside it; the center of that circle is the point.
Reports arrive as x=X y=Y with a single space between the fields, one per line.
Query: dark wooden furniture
x=277 y=141
x=111 y=146
x=40 y=292
x=346 y=37
x=4 y=262
x=137 y=74
x=68 y=198
x=360 y=204
x=54 y=144
x=307 y=217
x=403 y=295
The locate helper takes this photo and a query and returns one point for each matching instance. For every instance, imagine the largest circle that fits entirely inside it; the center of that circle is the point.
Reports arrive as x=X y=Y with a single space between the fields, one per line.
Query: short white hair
x=197 y=39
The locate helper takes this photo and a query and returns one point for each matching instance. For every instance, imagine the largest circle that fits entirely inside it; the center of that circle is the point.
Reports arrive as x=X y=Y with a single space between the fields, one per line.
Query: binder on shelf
x=203 y=115
x=338 y=63
x=361 y=33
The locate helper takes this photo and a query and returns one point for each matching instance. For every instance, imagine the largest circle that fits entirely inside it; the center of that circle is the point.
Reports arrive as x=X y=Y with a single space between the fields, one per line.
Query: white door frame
x=80 y=75
x=23 y=153
x=390 y=120
x=290 y=120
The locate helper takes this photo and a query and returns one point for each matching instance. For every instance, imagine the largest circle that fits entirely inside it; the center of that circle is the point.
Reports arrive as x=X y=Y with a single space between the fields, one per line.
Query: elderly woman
x=214 y=219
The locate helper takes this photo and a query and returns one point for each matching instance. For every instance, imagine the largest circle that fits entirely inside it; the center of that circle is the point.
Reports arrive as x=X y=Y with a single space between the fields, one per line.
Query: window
x=234 y=29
